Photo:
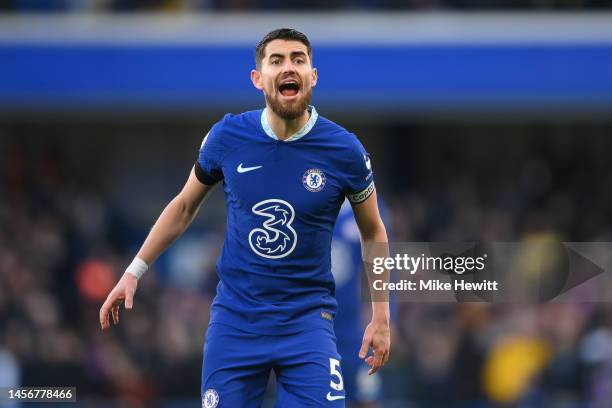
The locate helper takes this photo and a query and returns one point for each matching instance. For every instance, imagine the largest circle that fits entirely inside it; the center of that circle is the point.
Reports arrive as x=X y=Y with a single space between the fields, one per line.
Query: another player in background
x=285 y=172
x=362 y=390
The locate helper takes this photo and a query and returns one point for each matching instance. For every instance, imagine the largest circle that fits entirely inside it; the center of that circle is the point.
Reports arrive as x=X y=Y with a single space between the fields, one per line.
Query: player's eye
x=275 y=62
x=299 y=61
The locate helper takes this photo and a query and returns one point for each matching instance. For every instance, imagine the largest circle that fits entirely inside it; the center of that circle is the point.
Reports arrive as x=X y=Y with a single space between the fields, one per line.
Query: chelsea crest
x=313 y=180
x=210 y=399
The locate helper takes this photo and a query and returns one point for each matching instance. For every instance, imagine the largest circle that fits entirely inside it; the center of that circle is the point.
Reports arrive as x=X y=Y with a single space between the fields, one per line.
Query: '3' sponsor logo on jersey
x=277 y=238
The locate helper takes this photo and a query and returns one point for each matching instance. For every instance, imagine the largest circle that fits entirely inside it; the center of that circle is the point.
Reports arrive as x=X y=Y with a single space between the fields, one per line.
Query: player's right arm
x=170 y=225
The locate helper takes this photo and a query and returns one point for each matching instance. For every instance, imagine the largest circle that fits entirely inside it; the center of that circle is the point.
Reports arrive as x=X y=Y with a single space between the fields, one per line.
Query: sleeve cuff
x=362 y=195
x=202 y=176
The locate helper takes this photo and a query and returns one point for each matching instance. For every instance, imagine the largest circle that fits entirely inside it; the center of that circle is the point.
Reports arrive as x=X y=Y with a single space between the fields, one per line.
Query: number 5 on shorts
x=334 y=372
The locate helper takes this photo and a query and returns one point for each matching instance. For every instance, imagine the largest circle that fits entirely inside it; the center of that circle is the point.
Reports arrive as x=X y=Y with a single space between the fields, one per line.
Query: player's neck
x=285 y=128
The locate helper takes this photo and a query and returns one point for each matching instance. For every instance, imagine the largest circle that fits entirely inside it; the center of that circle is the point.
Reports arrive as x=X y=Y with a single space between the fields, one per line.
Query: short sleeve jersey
x=282 y=200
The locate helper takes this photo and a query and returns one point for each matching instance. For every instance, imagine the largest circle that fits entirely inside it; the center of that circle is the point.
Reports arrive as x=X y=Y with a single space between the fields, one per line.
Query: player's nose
x=288 y=67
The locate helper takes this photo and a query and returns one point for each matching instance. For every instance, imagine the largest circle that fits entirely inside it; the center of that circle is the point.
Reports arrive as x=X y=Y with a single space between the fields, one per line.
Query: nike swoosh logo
x=241 y=169
x=334 y=397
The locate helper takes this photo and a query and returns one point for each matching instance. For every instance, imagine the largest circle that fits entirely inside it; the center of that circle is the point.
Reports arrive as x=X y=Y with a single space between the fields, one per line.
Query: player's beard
x=292 y=110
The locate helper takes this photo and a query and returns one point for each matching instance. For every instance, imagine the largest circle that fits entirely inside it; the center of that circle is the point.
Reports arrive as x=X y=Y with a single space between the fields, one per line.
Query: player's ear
x=315 y=76
x=256 y=79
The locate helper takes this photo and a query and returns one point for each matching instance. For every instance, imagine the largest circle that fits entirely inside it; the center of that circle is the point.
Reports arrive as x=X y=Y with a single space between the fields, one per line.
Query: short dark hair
x=287 y=34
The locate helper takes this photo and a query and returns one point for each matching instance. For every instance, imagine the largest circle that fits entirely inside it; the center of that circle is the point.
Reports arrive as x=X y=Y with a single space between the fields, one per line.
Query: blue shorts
x=237 y=365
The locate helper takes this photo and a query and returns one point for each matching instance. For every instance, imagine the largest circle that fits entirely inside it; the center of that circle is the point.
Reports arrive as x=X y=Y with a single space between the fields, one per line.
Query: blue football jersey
x=282 y=201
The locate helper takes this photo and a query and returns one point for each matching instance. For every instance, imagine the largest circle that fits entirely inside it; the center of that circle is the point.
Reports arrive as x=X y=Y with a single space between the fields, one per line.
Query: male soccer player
x=285 y=171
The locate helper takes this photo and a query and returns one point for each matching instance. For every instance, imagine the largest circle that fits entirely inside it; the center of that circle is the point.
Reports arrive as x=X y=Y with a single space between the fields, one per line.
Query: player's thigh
x=309 y=371
x=235 y=371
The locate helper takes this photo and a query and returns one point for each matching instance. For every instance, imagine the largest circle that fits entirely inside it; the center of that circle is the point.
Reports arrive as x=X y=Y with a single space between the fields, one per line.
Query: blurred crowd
x=65 y=238
x=60 y=253
x=513 y=183
x=310 y=5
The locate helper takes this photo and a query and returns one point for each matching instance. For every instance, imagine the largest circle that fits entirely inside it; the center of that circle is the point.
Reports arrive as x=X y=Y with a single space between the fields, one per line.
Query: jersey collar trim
x=297 y=135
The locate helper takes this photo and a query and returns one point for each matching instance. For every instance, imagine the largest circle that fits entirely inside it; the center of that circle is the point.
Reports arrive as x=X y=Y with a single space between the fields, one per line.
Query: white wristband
x=137 y=268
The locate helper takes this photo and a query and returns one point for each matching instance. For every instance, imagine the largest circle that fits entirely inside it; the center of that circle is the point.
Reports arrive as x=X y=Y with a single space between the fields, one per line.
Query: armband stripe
x=362 y=195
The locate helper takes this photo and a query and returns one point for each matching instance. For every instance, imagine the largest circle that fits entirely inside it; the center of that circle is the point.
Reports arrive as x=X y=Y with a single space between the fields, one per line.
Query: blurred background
x=485 y=120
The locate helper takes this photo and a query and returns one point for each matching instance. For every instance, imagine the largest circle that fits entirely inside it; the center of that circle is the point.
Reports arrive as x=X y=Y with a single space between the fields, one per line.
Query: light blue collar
x=300 y=133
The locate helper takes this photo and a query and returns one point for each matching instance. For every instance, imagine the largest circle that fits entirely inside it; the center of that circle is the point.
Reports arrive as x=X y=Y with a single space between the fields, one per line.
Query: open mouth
x=289 y=88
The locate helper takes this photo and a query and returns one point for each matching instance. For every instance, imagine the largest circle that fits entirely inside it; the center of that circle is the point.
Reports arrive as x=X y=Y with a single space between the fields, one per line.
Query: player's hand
x=378 y=337
x=123 y=291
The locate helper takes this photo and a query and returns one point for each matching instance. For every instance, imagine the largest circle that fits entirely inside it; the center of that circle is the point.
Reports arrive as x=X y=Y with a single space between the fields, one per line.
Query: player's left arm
x=374 y=243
